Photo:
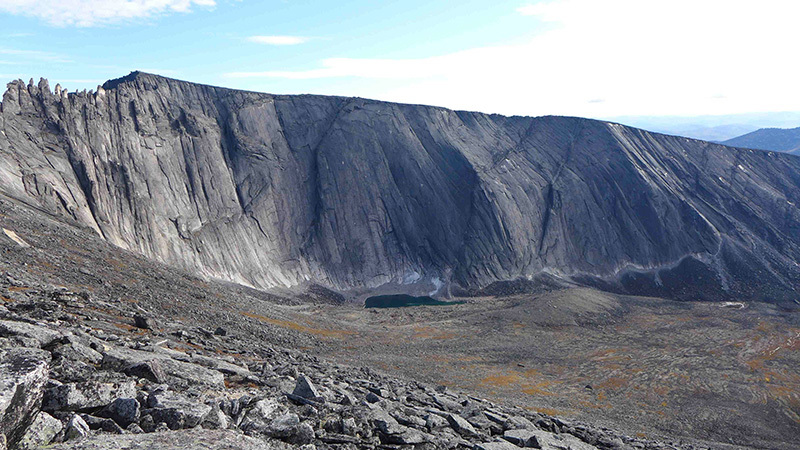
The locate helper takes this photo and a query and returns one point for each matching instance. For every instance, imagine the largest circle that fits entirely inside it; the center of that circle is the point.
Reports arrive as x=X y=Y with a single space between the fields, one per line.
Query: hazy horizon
x=563 y=57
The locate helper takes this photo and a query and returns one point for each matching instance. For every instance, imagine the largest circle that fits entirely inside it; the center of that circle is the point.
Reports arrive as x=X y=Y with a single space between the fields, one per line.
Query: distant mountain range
x=711 y=128
x=776 y=139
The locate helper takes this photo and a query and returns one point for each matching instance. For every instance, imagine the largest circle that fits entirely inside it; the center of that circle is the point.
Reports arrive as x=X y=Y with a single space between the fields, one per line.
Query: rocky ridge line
x=353 y=194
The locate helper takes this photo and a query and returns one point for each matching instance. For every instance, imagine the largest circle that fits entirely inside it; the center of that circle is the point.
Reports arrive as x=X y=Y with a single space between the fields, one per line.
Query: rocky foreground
x=165 y=384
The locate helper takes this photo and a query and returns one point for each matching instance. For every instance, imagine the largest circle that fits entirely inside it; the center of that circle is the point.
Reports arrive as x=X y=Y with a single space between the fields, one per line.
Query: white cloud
x=278 y=40
x=349 y=67
x=87 y=13
x=35 y=55
x=684 y=57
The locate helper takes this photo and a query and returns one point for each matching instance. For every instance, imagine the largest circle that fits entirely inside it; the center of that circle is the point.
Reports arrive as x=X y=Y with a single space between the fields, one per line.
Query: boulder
x=176 y=411
x=100 y=423
x=534 y=438
x=256 y=419
x=41 y=432
x=461 y=426
x=78 y=352
x=288 y=427
x=144 y=322
x=149 y=370
x=392 y=433
x=518 y=423
x=172 y=440
x=119 y=359
x=23 y=374
x=435 y=422
x=447 y=403
x=123 y=411
x=86 y=395
x=283 y=426
x=522 y=438
x=496 y=445
x=76 y=428
x=305 y=389
x=30 y=334
x=220 y=366
x=215 y=420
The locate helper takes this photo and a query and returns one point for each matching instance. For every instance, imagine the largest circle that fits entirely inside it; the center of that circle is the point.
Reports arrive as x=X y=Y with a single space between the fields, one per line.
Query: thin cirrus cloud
x=33 y=55
x=278 y=40
x=653 y=57
x=89 y=13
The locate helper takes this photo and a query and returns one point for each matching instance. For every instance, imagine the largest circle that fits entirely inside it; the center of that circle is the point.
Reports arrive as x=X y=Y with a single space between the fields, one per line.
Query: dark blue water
x=402 y=300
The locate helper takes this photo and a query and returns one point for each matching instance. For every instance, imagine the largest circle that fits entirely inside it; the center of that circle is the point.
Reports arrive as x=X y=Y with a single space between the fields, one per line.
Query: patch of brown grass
x=548 y=411
x=421 y=332
x=501 y=379
x=613 y=383
x=327 y=333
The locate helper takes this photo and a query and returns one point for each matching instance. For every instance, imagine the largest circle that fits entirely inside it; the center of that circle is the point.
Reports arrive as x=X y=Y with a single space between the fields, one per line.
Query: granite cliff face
x=271 y=190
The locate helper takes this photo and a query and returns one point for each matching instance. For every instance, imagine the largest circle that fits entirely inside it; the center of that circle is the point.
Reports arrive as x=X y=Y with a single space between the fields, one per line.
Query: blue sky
x=596 y=58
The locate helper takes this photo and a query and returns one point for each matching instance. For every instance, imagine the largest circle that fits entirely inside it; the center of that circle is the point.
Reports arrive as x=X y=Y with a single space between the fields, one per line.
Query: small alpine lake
x=403 y=300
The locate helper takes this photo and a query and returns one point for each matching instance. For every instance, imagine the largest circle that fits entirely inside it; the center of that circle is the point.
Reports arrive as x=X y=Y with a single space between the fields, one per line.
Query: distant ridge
x=774 y=139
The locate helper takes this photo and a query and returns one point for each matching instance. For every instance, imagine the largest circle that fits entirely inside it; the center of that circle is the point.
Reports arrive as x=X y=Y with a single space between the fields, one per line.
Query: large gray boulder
x=124 y=359
x=123 y=411
x=496 y=445
x=76 y=428
x=173 y=440
x=86 y=395
x=461 y=425
x=41 y=432
x=23 y=374
x=30 y=334
x=177 y=411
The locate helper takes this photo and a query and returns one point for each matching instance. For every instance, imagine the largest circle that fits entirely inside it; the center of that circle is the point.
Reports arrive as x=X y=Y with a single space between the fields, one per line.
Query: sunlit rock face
x=356 y=194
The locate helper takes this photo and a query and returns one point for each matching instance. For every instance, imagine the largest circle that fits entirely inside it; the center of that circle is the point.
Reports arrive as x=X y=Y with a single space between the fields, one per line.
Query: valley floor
x=721 y=375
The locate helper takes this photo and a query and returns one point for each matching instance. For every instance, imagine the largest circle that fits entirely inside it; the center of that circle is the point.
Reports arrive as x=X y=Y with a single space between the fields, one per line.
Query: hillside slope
x=270 y=190
x=775 y=139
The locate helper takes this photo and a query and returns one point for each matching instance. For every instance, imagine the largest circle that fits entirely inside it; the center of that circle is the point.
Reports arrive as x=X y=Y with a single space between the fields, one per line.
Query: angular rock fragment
x=215 y=420
x=99 y=423
x=123 y=411
x=171 y=440
x=289 y=428
x=496 y=445
x=221 y=366
x=305 y=390
x=78 y=352
x=23 y=374
x=41 y=432
x=115 y=358
x=144 y=322
x=76 y=428
x=176 y=411
x=86 y=395
x=461 y=426
x=522 y=438
x=43 y=337
x=149 y=370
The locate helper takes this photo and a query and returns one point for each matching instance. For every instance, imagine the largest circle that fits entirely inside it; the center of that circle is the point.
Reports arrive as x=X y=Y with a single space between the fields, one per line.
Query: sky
x=592 y=58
